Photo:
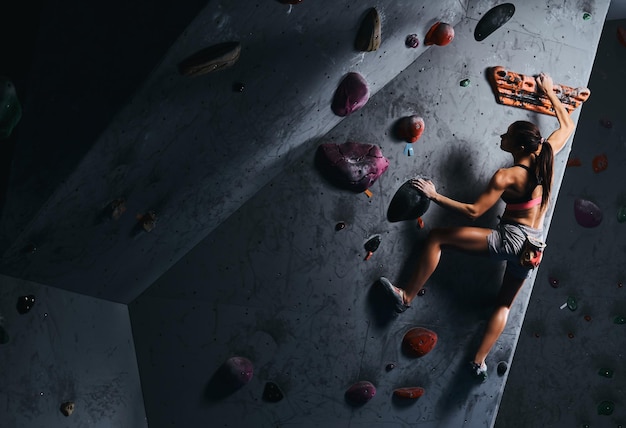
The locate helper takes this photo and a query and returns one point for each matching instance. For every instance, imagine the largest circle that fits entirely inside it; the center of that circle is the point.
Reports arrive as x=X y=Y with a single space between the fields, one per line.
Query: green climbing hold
x=621 y=214
x=571 y=303
x=620 y=320
x=606 y=408
x=606 y=373
x=4 y=336
x=586 y=16
x=465 y=83
x=10 y=108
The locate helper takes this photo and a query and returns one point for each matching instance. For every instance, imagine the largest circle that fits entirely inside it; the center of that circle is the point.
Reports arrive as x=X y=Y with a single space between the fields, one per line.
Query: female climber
x=525 y=188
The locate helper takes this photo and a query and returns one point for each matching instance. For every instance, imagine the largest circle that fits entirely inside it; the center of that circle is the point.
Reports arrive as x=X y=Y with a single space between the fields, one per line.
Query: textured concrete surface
x=554 y=380
x=68 y=347
x=278 y=284
x=270 y=278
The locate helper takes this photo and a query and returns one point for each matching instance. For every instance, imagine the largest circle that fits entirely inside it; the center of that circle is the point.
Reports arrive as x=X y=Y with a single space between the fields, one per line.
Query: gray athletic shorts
x=506 y=242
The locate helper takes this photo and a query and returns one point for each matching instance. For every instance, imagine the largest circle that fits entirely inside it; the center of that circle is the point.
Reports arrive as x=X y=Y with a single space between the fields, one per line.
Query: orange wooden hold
x=520 y=90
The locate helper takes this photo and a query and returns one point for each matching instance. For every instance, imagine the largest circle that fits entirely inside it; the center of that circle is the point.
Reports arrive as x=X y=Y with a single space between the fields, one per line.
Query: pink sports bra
x=526 y=201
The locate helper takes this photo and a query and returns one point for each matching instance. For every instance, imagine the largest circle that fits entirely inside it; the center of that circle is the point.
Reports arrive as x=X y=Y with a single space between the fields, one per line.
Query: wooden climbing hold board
x=520 y=90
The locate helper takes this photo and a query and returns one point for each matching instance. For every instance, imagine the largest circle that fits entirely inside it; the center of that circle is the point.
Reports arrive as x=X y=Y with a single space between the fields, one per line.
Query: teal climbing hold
x=621 y=214
x=10 y=108
x=606 y=408
x=606 y=372
x=572 y=304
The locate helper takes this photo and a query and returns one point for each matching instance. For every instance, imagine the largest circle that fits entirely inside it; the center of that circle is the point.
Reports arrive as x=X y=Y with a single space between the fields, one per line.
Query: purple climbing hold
x=360 y=393
x=587 y=213
x=240 y=371
x=554 y=282
x=353 y=166
x=412 y=41
x=351 y=94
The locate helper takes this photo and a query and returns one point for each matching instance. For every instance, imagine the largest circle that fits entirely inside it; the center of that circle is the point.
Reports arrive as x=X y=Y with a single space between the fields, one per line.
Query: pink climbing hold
x=440 y=34
x=351 y=94
x=587 y=213
x=354 y=166
x=240 y=370
x=360 y=393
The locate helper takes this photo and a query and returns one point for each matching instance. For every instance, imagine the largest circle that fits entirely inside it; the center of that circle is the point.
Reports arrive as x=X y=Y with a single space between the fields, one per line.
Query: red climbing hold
x=440 y=34
x=621 y=35
x=410 y=392
x=419 y=341
x=600 y=163
x=410 y=128
x=360 y=393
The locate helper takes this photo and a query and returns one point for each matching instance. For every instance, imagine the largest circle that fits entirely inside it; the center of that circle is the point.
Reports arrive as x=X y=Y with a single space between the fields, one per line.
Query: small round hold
x=340 y=226
x=537 y=334
x=587 y=317
x=570 y=335
x=502 y=368
x=606 y=123
x=238 y=87
x=554 y=282
x=464 y=83
x=390 y=367
x=620 y=284
x=586 y=16
x=421 y=292
x=412 y=41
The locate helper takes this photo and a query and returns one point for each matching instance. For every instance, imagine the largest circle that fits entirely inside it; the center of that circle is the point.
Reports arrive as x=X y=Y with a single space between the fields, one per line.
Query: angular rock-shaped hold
x=368 y=36
x=272 y=393
x=351 y=94
x=412 y=41
x=360 y=393
x=67 y=408
x=495 y=18
x=410 y=128
x=587 y=213
x=25 y=303
x=353 y=166
x=440 y=34
x=407 y=204
x=419 y=341
x=10 y=107
x=213 y=58
x=239 y=370
x=412 y=393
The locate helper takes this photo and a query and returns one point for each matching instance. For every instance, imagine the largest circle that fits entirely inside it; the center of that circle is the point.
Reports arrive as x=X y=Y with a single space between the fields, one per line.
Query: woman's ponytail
x=544 y=163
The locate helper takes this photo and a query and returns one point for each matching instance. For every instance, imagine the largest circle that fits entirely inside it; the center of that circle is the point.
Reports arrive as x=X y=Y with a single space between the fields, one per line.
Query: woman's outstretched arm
x=566 y=125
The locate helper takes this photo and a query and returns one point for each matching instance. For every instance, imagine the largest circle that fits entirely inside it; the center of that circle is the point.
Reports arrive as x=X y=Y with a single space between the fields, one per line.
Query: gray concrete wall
x=68 y=347
x=554 y=380
x=277 y=284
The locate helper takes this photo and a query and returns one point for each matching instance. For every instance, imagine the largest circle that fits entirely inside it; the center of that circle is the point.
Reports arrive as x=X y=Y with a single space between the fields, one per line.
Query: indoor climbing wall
x=67 y=360
x=572 y=341
x=275 y=318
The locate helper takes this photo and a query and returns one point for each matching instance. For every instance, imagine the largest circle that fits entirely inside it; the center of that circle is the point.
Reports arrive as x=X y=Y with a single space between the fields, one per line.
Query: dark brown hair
x=526 y=136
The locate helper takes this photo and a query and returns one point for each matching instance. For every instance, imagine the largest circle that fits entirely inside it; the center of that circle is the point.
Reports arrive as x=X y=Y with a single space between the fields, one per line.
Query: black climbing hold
x=493 y=19
x=272 y=393
x=25 y=303
x=407 y=204
x=390 y=367
x=4 y=336
x=238 y=87
x=340 y=226
x=502 y=368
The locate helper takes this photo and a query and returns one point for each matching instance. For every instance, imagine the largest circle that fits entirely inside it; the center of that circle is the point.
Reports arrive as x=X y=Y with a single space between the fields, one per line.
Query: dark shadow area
x=381 y=307
x=72 y=79
x=222 y=384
